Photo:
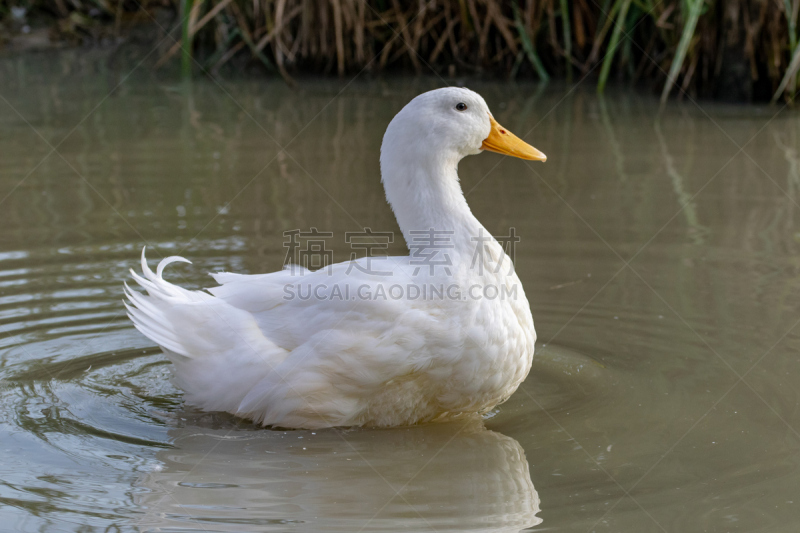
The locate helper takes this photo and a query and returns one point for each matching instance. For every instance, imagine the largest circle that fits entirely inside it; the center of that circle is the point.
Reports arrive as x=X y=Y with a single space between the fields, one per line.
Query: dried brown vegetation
x=738 y=49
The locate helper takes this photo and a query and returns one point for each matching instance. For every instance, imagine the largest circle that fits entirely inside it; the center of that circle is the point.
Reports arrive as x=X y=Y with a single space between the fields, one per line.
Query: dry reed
x=738 y=49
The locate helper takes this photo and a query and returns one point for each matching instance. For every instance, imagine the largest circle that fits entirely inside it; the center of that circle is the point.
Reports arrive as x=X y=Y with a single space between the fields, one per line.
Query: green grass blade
x=789 y=8
x=787 y=5
x=619 y=25
x=695 y=7
x=527 y=45
x=791 y=72
x=186 y=50
x=565 y=24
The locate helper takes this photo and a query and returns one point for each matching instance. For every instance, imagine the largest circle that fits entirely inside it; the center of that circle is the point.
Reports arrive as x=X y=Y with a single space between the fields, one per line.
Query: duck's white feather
x=251 y=346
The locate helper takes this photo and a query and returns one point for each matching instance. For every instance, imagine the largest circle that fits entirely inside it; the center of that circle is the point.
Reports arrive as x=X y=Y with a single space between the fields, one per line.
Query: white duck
x=253 y=347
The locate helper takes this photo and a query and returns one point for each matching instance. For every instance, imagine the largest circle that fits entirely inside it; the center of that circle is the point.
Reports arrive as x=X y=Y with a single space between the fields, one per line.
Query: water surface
x=660 y=259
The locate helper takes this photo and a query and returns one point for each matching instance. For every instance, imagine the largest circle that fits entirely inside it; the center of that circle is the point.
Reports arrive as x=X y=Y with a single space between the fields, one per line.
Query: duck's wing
x=295 y=303
x=251 y=349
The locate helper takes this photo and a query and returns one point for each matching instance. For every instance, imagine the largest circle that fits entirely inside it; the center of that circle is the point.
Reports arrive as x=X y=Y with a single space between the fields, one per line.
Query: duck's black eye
x=461 y=106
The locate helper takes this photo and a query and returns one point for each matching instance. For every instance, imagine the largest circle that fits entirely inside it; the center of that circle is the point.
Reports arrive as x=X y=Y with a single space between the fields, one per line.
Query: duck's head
x=450 y=124
x=420 y=154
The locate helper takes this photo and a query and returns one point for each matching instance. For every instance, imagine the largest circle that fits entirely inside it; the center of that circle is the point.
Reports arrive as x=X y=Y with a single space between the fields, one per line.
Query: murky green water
x=661 y=263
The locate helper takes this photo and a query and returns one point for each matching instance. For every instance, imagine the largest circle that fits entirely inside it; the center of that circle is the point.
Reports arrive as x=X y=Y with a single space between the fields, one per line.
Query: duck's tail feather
x=150 y=315
x=219 y=352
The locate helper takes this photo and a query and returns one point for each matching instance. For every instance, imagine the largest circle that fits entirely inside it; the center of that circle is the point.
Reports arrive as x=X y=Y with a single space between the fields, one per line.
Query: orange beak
x=502 y=141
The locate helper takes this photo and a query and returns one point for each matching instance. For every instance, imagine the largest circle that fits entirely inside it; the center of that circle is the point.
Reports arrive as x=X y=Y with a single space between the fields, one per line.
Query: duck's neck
x=425 y=195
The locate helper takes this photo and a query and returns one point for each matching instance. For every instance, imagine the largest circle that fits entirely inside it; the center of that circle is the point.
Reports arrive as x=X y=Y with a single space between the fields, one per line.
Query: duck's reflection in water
x=457 y=476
